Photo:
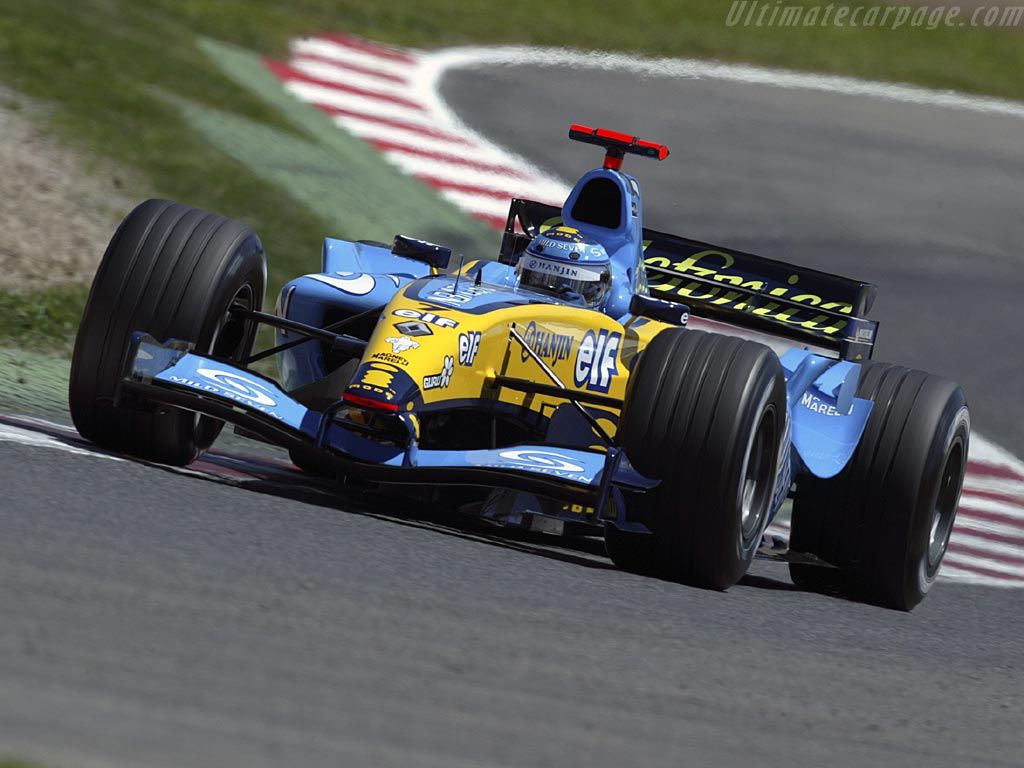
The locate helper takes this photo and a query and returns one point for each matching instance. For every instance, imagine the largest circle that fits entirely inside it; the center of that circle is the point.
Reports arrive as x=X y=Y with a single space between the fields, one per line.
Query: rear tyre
x=173 y=272
x=704 y=414
x=885 y=520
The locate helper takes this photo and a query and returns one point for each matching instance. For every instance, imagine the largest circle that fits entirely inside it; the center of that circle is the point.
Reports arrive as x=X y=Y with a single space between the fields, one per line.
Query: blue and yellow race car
x=669 y=393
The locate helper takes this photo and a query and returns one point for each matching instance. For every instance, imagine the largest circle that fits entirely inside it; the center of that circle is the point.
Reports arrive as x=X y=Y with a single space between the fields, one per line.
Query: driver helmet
x=564 y=263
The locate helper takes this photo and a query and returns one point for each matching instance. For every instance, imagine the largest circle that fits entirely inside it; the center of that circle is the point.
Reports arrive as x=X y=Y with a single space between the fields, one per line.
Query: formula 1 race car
x=670 y=393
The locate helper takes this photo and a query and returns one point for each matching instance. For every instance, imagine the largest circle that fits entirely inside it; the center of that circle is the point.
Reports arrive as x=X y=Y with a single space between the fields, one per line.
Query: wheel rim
x=944 y=511
x=756 y=486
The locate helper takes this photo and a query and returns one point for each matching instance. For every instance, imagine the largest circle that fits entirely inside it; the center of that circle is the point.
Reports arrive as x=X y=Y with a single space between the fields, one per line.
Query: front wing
x=171 y=374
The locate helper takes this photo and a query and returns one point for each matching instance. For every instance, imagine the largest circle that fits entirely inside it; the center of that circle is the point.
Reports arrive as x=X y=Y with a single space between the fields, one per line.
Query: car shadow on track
x=583 y=550
x=438 y=517
x=586 y=551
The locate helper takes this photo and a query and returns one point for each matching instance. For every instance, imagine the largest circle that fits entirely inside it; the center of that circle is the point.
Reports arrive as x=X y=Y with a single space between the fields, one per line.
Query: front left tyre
x=174 y=272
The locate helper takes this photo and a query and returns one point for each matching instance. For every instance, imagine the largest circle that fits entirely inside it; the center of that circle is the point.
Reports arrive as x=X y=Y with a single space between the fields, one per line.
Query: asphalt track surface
x=161 y=620
x=158 y=619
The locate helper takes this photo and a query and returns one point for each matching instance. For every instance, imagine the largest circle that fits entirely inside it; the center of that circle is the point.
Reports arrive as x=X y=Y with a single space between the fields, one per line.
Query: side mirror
x=659 y=309
x=420 y=250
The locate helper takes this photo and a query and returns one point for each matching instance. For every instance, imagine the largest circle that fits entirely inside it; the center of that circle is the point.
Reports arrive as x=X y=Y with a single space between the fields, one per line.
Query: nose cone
x=384 y=383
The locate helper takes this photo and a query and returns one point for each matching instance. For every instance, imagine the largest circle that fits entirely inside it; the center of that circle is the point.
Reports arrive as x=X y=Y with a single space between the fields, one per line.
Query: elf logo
x=431 y=318
x=469 y=345
x=597 y=360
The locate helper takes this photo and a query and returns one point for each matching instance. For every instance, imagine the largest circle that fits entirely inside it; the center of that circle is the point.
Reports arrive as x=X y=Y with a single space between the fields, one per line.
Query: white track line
x=322 y=95
x=343 y=76
x=28 y=437
x=980 y=549
x=409 y=135
x=1008 y=545
x=471 y=57
x=986 y=452
x=970 y=524
x=1011 y=513
x=347 y=55
x=982 y=486
x=350 y=63
x=960 y=560
x=953 y=573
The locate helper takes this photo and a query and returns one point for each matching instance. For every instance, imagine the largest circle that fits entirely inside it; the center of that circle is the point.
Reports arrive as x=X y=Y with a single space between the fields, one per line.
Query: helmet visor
x=587 y=282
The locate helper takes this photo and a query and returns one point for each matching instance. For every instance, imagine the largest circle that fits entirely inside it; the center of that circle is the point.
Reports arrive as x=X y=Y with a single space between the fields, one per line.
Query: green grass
x=41 y=319
x=118 y=71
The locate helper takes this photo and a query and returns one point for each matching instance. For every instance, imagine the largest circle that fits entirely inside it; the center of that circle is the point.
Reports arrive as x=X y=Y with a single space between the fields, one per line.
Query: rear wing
x=738 y=288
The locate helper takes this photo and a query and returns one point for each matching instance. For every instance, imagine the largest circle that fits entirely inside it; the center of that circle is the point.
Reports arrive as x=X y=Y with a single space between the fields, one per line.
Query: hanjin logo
x=548 y=345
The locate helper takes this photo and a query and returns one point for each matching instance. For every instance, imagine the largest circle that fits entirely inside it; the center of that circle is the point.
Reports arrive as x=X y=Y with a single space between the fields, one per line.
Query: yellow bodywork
x=478 y=347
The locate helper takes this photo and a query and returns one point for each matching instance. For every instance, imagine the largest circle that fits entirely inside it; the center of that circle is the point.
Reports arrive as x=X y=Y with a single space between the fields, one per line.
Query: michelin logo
x=239 y=386
x=231 y=386
x=542 y=460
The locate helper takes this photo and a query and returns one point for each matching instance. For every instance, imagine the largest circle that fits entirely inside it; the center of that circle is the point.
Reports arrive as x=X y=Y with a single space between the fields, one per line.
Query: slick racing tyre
x=885 y=520
x=704 y=414
x=173 y=272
